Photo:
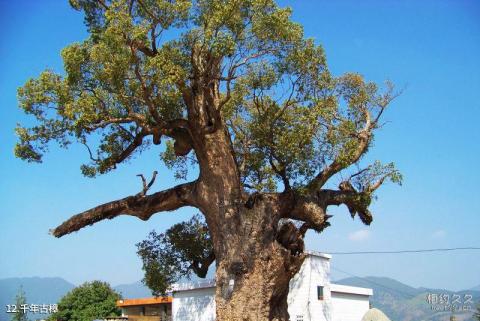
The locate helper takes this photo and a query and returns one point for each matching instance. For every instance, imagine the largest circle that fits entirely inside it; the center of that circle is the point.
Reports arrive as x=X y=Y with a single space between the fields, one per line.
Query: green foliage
x=20 y=300
x=90 y=301
x=477 y=314
x=287 y=115
x=179 y=164
x=177 y=253
x=375 y=173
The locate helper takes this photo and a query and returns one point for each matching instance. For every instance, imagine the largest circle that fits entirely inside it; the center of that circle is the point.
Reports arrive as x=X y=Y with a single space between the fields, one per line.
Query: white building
x=312 y=296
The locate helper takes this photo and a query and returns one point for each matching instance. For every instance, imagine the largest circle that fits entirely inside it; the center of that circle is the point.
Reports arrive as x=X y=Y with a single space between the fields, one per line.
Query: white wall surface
x=303 y=303
x=194 y=305
x=349 y=307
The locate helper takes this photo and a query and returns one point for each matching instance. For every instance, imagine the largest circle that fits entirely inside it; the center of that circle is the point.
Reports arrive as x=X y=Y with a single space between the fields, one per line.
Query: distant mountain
x=37 y=291
x=476 y=288
x=401 y=302
x=133 y=290
x=139 y=290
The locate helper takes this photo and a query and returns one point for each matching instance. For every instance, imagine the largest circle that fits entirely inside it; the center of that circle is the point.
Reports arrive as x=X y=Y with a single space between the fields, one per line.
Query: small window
x=320 y=292
x=299 y=318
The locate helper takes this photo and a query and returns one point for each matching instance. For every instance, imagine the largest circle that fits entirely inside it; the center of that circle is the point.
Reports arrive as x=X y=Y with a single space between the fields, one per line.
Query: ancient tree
x=234 y=87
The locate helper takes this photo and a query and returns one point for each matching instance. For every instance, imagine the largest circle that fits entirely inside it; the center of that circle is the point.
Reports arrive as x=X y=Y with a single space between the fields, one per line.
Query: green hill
x=401 y=302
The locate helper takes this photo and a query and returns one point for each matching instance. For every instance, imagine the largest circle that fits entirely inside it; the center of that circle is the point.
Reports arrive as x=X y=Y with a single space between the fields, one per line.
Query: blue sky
x=429 y=47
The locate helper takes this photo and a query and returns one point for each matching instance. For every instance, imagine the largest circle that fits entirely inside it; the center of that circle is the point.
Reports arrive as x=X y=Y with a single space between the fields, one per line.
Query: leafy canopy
x=90 y=301
x=156 y=71
x=183 y=249
x=125 y=87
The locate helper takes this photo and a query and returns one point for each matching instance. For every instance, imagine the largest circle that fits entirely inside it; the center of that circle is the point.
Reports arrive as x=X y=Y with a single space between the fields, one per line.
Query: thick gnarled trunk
x=253 y=265
x=253 y=268
x=260 y=293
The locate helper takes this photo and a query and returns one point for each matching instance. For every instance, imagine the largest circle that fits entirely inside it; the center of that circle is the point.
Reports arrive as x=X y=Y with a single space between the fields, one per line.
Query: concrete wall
x=303 y=302
x=194 y=305
x=349 y=307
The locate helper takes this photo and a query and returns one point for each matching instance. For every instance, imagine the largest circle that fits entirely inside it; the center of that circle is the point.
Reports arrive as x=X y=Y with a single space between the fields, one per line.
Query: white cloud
x=439 y=234
x=358 y=236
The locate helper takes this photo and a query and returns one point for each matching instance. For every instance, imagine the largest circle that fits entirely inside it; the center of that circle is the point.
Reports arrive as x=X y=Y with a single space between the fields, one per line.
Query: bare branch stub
x=146 y=186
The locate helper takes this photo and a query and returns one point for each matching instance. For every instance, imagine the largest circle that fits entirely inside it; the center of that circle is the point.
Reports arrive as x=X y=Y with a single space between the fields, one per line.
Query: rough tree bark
x=252 y=268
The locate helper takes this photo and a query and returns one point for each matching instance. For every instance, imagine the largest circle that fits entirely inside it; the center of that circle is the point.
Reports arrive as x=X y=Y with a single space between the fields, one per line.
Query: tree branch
x=356 y=202
x=280 y=172
x=136 y=142
x=146 y=90
x=146 y=186
x=200 y=268
x=363 y=136
x=176 y=129
x=338 y=164
x=139 y=206
x=311 y=210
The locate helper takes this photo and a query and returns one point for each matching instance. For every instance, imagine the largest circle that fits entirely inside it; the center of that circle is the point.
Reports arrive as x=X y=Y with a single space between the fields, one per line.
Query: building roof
x=350 y=289
x=318 y=254
x=193 y=285
x=144 y=301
